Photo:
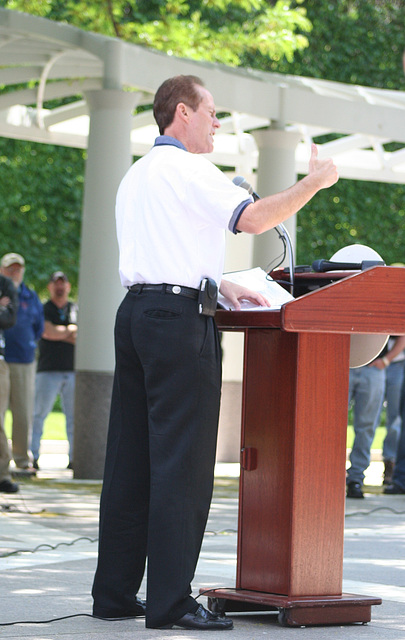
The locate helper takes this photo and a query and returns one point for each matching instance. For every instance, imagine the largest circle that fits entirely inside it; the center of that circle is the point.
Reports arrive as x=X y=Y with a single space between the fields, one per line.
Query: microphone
x=240 y=181
x=320 y=266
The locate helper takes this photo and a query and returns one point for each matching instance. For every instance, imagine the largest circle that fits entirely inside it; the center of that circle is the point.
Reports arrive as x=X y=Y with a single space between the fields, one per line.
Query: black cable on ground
x=367 y=513
x=47 y=546
x=74 y=615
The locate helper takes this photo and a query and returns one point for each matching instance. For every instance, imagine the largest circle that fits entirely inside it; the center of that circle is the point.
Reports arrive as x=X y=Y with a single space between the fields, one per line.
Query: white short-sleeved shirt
x=172 y=210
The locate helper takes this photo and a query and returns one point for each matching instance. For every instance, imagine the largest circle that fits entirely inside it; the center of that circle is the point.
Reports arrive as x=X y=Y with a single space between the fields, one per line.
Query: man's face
x=59 y=289
x=203 y=124
x=15 y=272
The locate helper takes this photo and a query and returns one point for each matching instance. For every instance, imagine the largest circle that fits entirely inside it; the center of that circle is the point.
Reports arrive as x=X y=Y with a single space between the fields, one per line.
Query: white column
x=276 y=172
x=100 y=291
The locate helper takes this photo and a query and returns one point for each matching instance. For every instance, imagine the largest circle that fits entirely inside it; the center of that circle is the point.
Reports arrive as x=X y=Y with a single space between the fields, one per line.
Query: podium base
x=295 y=611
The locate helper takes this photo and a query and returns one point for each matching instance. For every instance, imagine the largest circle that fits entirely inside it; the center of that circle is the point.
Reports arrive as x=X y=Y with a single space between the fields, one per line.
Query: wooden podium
x=293 y=447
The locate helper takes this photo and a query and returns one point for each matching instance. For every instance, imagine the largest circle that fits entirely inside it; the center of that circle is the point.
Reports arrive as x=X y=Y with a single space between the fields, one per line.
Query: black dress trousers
x=160 y=455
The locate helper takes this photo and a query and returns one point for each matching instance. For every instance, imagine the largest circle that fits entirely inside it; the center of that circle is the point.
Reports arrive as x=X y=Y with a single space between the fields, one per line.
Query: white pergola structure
x=265 y=135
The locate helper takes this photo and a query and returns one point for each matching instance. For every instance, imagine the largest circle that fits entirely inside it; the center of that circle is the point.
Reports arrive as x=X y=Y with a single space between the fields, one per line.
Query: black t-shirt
x=57 y=355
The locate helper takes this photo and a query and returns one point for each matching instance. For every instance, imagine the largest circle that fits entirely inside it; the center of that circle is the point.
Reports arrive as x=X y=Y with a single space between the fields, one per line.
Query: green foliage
x=41 y=190
x=362 y=42
x=214 y=30
x=352 y=41
x=353 y=212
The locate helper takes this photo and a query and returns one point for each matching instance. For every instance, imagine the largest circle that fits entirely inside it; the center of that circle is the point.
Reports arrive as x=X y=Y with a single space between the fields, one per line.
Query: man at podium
x=173 y=207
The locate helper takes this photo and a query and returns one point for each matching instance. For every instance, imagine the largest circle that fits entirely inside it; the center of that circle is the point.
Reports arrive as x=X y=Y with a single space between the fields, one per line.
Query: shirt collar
x=161 y=140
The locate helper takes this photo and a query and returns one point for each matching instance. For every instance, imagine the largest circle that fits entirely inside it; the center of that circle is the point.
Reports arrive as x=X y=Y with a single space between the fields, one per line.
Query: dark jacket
x=8 y=314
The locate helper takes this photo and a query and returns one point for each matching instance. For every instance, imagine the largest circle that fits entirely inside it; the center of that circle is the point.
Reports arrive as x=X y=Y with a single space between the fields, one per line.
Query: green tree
x=356 y=42
x=352 y=41
x=214 y=30
x=41 y=190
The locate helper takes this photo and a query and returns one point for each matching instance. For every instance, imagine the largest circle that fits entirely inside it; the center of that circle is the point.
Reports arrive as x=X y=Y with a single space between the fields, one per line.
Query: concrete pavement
x=48 y=555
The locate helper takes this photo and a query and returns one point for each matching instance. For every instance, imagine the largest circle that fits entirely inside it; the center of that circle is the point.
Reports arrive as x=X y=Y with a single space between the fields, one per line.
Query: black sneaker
x=6 y=486
x=389 y=466
x=35 y=464
x=354 y=490
x=394 y=489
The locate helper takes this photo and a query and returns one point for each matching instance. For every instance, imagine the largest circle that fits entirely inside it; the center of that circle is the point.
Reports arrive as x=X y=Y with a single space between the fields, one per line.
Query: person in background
x=394 y=376
x=397 y=485
x=20 y=347
x=55 y=369
x=366 y=392
x=8 y=316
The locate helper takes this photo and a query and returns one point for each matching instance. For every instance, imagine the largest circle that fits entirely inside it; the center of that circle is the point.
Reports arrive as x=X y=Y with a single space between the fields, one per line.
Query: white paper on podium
x=257 y=280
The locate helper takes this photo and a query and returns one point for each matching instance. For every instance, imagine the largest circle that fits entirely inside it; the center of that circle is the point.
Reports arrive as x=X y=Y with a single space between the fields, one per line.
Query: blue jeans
x=393 y=385
x=48 y=384
x=399 y=470
x=366 y=392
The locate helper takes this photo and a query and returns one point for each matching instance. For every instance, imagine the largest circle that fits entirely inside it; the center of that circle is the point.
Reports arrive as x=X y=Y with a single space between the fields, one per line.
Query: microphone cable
x=282 y=232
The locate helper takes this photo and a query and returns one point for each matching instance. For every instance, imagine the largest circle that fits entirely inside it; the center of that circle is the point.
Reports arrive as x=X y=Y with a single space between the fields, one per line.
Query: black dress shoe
x=394 y=489
x=354 y=490
x=6 y=486
x=202 y=619
x=136 y=611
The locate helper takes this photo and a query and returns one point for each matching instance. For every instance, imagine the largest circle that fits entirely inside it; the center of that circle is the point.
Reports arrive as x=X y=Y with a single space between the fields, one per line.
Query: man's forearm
x=264 y=214
x=270 y=211
x=59 y=331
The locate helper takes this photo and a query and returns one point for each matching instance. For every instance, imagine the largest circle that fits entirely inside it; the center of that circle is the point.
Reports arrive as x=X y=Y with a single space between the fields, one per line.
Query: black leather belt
x=176 y=289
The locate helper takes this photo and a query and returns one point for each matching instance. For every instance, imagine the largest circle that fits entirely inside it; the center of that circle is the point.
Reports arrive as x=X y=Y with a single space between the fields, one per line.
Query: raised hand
x=324 y=171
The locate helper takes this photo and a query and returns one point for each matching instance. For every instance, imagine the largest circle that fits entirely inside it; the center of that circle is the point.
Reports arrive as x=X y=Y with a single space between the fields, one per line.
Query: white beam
x=255 y=99
x=54 y=90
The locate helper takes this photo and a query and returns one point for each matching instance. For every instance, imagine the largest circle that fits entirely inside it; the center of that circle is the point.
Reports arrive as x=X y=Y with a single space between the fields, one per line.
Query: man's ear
x=182 y=111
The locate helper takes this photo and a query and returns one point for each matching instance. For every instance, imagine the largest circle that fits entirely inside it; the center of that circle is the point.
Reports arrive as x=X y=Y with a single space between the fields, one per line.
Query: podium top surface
x=371 y=301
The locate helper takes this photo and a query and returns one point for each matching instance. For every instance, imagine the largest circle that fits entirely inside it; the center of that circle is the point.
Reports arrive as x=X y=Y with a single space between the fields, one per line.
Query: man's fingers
x=314 y=151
